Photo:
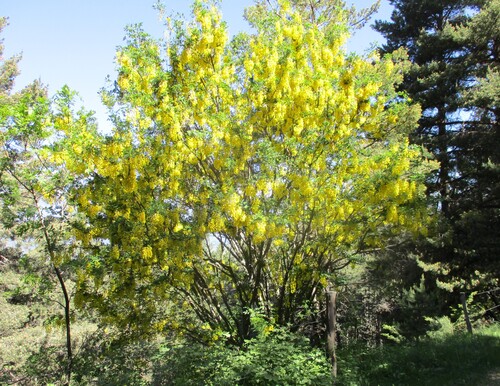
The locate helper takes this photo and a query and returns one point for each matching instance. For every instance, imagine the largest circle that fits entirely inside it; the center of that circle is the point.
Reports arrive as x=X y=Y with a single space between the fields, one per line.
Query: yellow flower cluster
x=287 y=141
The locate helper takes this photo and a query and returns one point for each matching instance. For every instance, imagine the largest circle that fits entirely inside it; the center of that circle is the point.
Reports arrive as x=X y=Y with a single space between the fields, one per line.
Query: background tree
x=454 y=51
x=32 y=202
x=33 y=186
x=476 y=222
x=243 y=174
x=8 y=71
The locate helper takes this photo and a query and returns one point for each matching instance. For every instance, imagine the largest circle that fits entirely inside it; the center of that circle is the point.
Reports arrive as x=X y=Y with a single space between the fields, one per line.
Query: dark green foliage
x=112 y=359
x=448 y=360
x=476 y=219
x=274 y=357
x=46 y=366
x=453 y=45
x=387 y=291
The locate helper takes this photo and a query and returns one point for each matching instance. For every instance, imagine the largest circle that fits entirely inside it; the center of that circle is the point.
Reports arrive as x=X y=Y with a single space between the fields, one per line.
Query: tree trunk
x=331 y=297
x=67 y=319
x=67 y=315
x=466 y=312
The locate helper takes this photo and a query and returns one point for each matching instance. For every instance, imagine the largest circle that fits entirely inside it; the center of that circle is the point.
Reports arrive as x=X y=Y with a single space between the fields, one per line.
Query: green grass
x=458 y=359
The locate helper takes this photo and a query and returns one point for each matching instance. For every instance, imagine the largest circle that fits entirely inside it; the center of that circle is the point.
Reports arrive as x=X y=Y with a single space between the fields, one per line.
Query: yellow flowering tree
x=243 y=173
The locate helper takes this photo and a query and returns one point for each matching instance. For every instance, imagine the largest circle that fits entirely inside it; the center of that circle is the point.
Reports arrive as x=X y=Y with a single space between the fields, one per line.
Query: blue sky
x=73 y=42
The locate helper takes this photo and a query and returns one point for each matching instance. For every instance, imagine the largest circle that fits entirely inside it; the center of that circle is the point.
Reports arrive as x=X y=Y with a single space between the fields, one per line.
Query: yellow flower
x=115 y=252
x=147 y=253
x=178 y=227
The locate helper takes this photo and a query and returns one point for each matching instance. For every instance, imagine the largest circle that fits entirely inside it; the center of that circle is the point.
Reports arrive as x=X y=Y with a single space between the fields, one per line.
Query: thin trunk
x=331 y=297
x=67 y=321
x=67 y=315
x=463 y=299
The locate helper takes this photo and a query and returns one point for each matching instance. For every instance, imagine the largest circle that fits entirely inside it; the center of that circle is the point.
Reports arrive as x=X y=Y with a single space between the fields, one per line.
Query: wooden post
x=466 y=313
x=331 y=297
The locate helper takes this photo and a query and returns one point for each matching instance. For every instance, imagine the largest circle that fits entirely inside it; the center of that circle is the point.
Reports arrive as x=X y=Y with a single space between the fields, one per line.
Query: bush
x=275 y=357
x=113 y=359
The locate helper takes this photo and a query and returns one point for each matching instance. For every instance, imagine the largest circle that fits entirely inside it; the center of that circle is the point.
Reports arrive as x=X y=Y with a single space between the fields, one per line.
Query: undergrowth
x=454 y=359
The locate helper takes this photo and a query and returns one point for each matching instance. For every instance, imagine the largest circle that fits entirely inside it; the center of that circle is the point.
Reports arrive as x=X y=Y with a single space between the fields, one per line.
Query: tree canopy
x=453 y=46
x=245 y=173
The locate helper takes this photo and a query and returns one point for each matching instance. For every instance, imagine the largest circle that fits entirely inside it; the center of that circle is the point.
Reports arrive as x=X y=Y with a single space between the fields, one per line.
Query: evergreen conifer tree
x=453 y=45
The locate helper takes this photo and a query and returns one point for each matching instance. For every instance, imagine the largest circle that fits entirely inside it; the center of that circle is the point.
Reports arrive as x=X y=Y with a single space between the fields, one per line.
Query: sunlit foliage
x=242 y=173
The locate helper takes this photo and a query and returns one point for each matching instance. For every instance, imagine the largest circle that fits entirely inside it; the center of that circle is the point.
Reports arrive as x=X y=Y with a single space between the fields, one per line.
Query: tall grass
x=454 y=359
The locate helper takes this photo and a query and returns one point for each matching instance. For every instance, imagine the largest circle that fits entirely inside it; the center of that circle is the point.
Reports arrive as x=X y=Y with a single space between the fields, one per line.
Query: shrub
x=274 y=357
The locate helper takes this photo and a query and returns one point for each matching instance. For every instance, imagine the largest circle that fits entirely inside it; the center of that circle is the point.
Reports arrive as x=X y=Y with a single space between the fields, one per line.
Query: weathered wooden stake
x=466 y=313
x=331 y=297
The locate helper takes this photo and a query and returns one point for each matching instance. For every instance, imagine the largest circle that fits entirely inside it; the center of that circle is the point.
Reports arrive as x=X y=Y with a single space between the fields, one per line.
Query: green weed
x=454 y=359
